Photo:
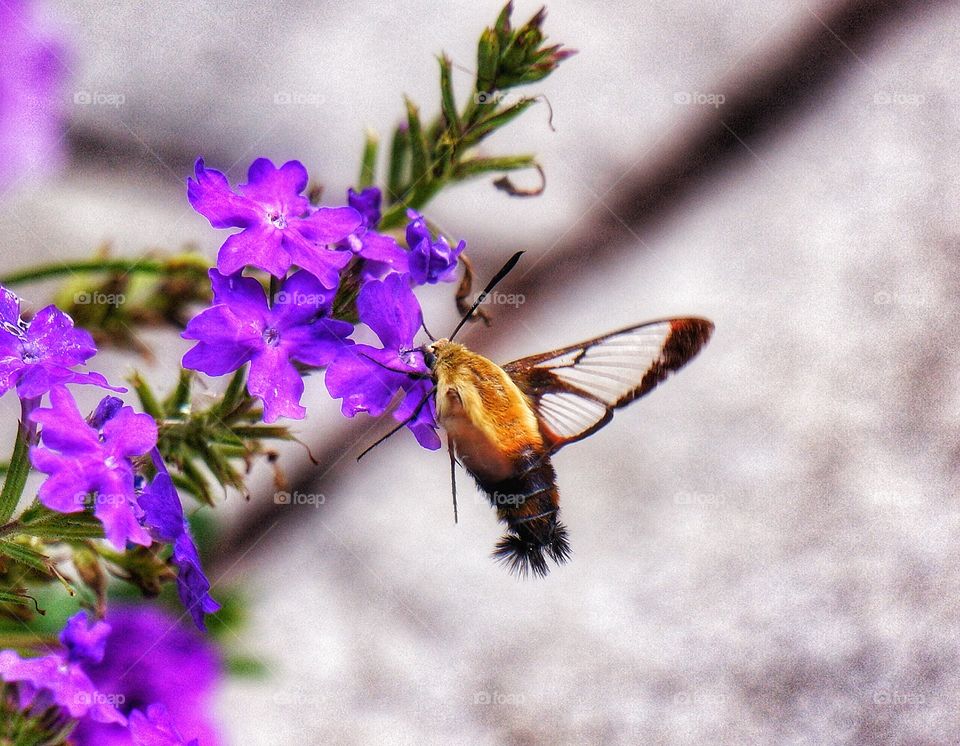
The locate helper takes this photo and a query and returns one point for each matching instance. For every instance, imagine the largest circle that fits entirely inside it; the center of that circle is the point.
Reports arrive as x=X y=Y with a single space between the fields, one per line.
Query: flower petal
x=323 y=263
x=260 y=245
x=212 y=197
x=329 y=224
x=275 y=381
x=277 y=189
x=390 y=308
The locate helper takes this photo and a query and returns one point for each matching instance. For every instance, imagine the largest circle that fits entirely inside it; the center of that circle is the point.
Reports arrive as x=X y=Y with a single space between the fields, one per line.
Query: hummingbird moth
x=504 y=423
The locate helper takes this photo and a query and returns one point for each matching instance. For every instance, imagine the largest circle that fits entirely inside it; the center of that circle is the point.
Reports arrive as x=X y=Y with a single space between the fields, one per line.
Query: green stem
x=16 y=478
x=139 y=266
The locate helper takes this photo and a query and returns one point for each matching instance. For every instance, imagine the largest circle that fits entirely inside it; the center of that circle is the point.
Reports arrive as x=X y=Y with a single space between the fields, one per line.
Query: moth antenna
x=504 y=271
x=403 y=424
x=423 y=325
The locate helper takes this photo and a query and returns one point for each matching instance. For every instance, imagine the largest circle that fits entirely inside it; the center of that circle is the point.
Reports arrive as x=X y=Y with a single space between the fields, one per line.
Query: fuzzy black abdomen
x=528 y=503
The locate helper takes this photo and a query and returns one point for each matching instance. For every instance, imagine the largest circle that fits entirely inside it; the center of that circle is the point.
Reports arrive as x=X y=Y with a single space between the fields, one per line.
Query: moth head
x=438 y=351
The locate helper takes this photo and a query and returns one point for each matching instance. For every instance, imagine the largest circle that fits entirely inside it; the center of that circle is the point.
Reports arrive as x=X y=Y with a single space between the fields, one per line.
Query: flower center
x=271 y=336
x=278 y=219
x=29 y=352
x=110 y=462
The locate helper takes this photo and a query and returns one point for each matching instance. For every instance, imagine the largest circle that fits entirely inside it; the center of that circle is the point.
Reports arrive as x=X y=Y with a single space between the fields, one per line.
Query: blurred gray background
x=765 y=549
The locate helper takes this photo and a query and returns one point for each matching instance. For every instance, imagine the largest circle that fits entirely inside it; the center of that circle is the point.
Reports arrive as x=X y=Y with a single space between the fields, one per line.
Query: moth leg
x=453 y=477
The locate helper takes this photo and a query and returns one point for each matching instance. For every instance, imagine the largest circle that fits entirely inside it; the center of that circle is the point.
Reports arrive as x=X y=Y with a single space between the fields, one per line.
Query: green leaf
x=368 y=163
x=479 y=131
x=419 y=154
x=488 y=60
x=26 y=556
x=475 y=166
x=447 y=101
x=399 y=151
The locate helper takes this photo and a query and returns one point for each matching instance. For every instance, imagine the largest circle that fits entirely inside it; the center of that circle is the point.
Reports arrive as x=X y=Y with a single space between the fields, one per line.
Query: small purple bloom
x=240 y=326
x=367 y=203
x=163 y=514
x=150 y=659
x=381 y=253
x=62 y=678
x=35 y=357
x=154 y=728
x=85 y=642
x=279 y=227
x=431 y=261
x=81 y=459
x=368 y=378
x=31 y=78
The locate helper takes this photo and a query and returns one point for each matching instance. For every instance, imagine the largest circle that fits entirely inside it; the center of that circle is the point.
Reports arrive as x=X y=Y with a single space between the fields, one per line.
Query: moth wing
x=575 y=390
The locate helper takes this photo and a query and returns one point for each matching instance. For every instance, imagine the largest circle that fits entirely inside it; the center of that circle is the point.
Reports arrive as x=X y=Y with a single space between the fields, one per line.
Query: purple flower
x=152 y=660
x=163 y=514
x=31 y=77
x=84 y=641
x=61 y=679
x=381 y=253
x=367 y=203
x=431 y=261
x=368 y=378
x=279 y=227
x=240 y=326
x=83 y=459
x=154 y=728
x=35 y=357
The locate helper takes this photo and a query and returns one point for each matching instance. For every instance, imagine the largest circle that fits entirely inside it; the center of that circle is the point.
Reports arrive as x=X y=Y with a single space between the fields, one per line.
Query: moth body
x=495 y=433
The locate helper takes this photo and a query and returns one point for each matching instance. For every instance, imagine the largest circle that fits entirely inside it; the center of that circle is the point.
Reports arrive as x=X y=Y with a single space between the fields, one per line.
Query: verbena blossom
x=241 y=326
x=84 y=459
x=38 y=355
x=368 y=378
x=152 y=660
x=31 y=78
x=60 y=679
x=381 y=253
x=279 y=227
x=163 y=514
x=431 y=260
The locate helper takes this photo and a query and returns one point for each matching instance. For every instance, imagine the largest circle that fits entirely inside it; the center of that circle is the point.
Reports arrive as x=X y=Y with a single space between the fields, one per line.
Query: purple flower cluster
x=136 y=678
x=91 y=462
x=31 y=76
x=285 y=333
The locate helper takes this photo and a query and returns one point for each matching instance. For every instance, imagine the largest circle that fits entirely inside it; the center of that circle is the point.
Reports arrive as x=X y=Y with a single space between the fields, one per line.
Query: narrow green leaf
x=399 y=152
x=368 y=163
x=148 y=401
x=477 y=166
x=448 y=103
x=16 y=477
x=490 y=124
x=26 y=556
x=419 y=153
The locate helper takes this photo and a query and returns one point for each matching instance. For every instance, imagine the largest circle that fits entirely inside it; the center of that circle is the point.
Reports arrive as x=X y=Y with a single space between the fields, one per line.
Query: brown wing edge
x=687 y=337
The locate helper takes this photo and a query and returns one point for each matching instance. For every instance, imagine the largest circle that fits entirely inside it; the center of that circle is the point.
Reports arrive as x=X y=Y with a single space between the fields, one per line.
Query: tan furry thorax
x=488 y=396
